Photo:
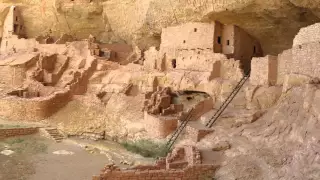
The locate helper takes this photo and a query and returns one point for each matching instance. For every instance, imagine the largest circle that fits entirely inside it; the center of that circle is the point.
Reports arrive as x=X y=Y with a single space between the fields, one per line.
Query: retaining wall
x=196 y=172
x=33 y=109
x=17 y=132
x=160 y=126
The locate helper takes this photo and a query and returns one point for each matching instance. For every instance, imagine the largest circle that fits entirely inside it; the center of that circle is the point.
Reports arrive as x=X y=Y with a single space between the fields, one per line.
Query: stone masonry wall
x=197 y=133
x=307 y=35
x=259 y=71
x=33 y=109
x=284 y=63
x=264 y=70
x=159 y=126
x=183 y=163
x=17 y=132
x=202 y=108
x=13 y=70
x=196 y=60
x=187 y=36
x=231 y=70
x=196 y=172
x=305 y=60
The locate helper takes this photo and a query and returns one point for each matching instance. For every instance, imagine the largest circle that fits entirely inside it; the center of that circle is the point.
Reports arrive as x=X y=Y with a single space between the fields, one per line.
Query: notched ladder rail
x=178 y=131
x=228 y=100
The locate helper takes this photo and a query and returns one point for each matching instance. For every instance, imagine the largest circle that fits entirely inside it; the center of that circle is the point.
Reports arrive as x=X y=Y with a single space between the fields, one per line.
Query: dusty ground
x=34 y=159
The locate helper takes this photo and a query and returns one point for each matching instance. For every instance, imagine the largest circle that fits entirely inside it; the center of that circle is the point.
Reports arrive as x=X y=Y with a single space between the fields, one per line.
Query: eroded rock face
x=282 y=144
x=272 y=22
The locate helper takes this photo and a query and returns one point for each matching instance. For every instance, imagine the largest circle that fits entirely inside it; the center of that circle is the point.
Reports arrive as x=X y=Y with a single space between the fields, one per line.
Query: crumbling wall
x=80 y=83
x=196 y=133
x=231 y=70
x=160 y=126
x=13 y=70
x=201 y=108
x=183 y=163
x=50 y=68
x=54 y=48
x=160 y=102
x=14 y=44
x=33 y=109
x=119 y=52
x=196 y=172
x=10 y=132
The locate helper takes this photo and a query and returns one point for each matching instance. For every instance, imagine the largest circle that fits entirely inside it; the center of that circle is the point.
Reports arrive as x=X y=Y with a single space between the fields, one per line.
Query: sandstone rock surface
x=141 y=21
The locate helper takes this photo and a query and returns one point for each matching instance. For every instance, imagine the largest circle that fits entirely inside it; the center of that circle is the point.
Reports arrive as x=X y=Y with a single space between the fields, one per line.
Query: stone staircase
x=54 y=134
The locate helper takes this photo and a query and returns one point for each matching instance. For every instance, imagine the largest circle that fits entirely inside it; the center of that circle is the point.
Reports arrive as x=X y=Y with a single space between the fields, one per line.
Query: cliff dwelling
x=216 y=37
x=192 y=93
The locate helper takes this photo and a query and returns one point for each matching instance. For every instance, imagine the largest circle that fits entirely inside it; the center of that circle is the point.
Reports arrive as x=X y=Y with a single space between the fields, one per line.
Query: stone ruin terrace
x=183 y=163
x=98 y=91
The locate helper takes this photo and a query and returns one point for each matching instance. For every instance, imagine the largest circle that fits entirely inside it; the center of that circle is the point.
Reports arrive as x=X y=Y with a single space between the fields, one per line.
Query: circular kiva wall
x=32 y=108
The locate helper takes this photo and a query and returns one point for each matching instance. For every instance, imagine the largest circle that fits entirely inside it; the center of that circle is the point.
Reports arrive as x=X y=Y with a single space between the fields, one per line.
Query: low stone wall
x=17 y=132
x=196 y=172
x=201 y=108
x=160 y=126
x=13 y=69
x=33 y=109
x=230 y=69
x=196 y=134
x=183 y=163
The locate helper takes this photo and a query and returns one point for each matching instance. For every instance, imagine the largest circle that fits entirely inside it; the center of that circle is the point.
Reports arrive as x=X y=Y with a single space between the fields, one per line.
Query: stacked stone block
x=96 y=50
x=197 y=133
x=264 y=71
x=17 y=132
x=160 y=103
x=193 y=170
x=35 y=108
x=160 y=126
